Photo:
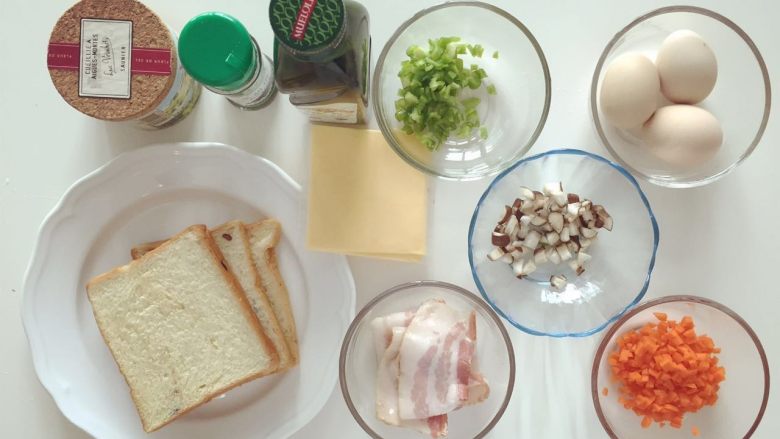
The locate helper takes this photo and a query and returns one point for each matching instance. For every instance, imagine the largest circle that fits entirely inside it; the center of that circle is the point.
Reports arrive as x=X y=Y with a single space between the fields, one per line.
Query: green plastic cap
x=308 y=26
x=217 y=51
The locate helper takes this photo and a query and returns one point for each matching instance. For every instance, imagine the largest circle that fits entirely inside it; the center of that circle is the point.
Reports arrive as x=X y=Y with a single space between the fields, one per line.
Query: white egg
x=683 y=135
x=629 y=91
x=687 y=67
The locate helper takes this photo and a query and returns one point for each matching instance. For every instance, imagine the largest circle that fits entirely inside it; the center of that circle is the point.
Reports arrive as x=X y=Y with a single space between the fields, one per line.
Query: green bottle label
x=307 y=25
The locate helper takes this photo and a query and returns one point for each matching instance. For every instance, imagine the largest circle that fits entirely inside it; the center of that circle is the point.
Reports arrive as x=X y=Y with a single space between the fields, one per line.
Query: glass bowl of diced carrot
x=680 y=367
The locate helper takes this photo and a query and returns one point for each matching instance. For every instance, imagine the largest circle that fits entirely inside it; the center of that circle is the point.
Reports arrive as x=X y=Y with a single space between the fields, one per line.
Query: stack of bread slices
x=196 y=315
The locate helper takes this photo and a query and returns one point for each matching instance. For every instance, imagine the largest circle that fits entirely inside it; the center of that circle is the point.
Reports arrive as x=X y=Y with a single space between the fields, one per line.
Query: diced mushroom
x=517 y=254
x=553 y=188
x=573 y=246
x=496 y=254
x=552 y=238
x=573 y=209
x=511 y=225
x=540 y=256
x=573 y=229
x=529 y=267
x=585 y=243
x=553 y=256
x=523 y=230
x=573 y=198
x=517 y=268
x=507 y=258
x=556 y=221
x=526 y=194
x=500 y=239
x=588 y=233
x=582 y=257
x=558 y=281
x=507 y=214
x=532 y=240
x=563 y=252
x=547 y=227
x=538 y=220
x=565 y=235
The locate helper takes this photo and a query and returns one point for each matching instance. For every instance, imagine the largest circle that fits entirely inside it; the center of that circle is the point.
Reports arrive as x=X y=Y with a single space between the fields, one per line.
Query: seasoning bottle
x=218 y=52
x=116 y=60
x=322 y=51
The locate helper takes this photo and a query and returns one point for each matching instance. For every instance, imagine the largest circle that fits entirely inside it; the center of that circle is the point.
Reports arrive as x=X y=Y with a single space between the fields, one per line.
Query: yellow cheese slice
x=363 y=199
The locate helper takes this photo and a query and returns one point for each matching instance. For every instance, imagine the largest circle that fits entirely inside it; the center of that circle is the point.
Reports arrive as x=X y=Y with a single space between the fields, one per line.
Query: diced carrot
x=695 y=431
x=605 y=391
x=665 y=370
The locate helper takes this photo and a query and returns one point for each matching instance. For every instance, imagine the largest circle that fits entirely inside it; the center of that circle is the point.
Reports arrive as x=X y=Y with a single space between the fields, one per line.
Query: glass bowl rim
x=651 y=266
x=745 y=38
x=669 y=299
x=376 y=95
x=468 y=295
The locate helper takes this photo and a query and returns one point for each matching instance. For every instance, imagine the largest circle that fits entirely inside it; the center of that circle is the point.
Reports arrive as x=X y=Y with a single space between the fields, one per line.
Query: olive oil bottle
x=322 y=52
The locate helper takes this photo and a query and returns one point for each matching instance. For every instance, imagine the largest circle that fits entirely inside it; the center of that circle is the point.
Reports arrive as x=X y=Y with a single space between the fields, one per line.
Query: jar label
x=104 y=61
x=338 y=112
x=308 y=25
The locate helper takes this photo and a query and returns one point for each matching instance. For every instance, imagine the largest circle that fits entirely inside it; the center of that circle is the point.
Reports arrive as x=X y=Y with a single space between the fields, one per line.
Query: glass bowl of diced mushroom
x=563 y=243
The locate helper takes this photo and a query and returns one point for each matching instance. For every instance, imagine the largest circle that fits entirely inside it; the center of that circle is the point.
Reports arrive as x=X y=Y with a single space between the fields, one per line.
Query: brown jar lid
x=148 y=31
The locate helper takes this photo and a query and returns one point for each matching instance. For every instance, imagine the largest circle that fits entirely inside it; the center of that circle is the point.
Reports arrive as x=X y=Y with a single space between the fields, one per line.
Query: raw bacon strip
x=444 y=374
x=435 y=362
x=382 y=328
x=478 y=389
x=387 y=380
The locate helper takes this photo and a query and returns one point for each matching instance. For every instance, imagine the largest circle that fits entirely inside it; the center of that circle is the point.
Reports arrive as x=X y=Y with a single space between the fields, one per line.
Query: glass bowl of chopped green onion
x=461 y=90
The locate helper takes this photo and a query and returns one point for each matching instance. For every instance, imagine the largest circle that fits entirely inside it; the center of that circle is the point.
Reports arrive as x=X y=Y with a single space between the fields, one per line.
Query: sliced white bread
x=179 y=327
x=233 y=242
x=263 y=238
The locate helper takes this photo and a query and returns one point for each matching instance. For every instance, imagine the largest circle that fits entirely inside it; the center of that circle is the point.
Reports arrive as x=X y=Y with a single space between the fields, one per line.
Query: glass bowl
x=514 y=116
x=742 y=397
x=623 y=259
x=740 y=100
x=495 y=355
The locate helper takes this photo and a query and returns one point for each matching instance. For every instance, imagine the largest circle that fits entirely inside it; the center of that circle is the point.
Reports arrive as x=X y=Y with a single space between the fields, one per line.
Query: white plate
x=150 y=194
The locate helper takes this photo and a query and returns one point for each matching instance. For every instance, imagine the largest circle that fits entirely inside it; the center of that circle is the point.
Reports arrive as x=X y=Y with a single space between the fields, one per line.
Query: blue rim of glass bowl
x=612 y=319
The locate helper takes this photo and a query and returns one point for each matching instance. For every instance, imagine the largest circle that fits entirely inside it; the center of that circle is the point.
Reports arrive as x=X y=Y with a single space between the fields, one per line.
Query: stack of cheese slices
x=196 y=315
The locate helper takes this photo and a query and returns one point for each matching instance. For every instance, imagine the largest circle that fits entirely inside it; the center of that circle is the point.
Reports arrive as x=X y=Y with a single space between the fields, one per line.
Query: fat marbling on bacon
x=426 y=366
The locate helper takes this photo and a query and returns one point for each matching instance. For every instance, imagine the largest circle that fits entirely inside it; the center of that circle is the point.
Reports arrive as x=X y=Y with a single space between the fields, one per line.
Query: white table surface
x=719 y=241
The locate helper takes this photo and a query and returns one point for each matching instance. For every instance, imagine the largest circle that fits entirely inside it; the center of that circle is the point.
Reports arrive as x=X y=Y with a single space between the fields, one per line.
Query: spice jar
x=217 y=51
x=322 y=51
x=116 y=60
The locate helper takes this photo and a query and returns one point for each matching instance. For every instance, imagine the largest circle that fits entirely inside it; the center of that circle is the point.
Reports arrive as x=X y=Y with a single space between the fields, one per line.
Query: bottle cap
x=308 y=27
x=217 y=51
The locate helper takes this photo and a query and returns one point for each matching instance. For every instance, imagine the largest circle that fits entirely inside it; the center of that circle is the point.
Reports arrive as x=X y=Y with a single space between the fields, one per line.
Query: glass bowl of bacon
x=427 y=358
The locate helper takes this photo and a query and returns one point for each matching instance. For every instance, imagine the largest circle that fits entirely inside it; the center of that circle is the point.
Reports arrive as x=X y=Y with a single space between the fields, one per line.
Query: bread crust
x=246 y=307
x=202 y=232
x=283 y=352
x=273 y=265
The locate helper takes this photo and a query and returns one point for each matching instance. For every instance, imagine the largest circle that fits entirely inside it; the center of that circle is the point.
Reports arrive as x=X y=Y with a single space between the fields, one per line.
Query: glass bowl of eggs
x=680 y=96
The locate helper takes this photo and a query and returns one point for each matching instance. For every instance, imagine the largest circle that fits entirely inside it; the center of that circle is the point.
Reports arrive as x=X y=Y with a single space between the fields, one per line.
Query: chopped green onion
x=483 y=133
x=428 y=104
x=495 y=54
